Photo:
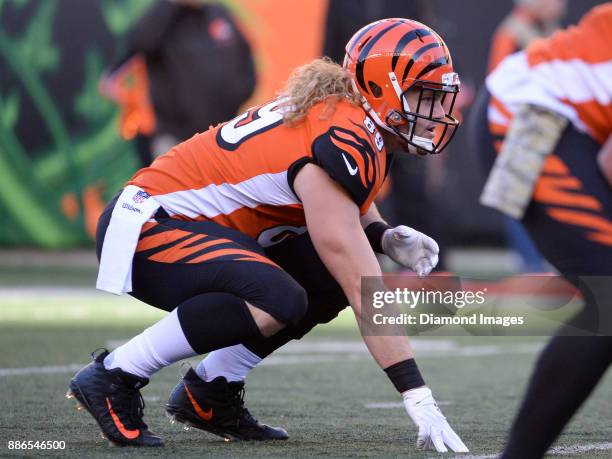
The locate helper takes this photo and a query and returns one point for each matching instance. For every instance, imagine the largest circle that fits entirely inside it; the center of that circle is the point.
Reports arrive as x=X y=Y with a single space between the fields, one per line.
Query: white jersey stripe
x=551 y=84
x=577 y=81
x=213 y=200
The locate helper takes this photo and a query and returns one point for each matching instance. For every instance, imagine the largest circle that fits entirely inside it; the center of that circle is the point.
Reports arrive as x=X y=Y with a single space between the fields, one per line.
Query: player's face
x=425 y=123
x=425 y=127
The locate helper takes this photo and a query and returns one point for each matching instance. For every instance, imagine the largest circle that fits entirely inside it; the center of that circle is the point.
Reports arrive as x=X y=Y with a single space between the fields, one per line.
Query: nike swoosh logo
x=127 y=433
x=351 y=170
x=205 y=415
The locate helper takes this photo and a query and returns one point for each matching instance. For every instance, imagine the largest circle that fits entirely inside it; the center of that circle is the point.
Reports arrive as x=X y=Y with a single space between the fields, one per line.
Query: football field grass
x=325 y=389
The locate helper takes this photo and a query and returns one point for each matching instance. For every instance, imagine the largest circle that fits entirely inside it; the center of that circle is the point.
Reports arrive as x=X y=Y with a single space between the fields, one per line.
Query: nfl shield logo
x=140 y=196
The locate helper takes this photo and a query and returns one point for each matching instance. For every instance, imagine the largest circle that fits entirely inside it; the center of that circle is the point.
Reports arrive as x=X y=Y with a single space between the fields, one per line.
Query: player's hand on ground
x=434 y=430
x=411 y=249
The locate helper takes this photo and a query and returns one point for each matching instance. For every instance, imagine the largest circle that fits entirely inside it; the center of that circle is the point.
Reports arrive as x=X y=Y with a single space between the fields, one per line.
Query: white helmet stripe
x=398 y=91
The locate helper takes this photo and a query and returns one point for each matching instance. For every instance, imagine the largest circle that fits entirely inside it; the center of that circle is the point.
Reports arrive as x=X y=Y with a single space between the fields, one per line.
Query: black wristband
x=405 y=375
x=374 y=232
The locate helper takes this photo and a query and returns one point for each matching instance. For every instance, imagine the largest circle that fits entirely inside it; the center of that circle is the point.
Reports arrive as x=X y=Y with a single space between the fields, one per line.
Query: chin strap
x=426 y=144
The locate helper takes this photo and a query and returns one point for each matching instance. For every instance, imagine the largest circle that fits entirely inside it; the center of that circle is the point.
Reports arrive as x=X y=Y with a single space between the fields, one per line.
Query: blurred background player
x=185 y=66
x=529 y=20
x=182 y=236
x=548 y=111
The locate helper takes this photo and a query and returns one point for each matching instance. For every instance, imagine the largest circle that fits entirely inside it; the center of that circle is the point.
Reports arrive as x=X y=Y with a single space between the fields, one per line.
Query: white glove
x=411 y=249
x=434 y=430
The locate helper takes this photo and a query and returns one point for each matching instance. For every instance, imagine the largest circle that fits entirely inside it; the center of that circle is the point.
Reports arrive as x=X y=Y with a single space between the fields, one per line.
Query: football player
x=548 y=112
x=187 y=233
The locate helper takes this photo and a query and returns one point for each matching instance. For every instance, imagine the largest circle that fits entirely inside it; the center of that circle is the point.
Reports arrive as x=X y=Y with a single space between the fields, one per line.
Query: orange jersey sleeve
x=502 y=45
x=589 y=41
x=579 y=60
x=568 y=73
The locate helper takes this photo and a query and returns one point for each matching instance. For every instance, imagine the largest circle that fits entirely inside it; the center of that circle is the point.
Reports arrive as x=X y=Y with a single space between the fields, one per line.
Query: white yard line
x=327 y=352
x=334 y=346
x=316 y=346
x=50 y=369
x=484 y=456
x=421 y=346
x=556 y=451
x=275 y=360
x=394 y=405
x=573 y=449
x=48 y=292
x=384 y=405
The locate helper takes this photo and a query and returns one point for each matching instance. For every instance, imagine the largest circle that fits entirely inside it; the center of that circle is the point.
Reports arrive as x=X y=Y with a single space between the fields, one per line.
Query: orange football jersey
x=570 y=73
x=240 y=174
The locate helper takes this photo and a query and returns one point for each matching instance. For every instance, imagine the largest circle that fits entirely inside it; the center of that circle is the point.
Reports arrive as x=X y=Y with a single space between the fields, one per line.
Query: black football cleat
x=217 y=407
x=113 y=398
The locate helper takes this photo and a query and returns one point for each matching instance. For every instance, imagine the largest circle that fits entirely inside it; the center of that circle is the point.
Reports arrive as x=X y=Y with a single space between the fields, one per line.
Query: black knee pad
x=214 y=320
x=289 y=302
x=322 y=309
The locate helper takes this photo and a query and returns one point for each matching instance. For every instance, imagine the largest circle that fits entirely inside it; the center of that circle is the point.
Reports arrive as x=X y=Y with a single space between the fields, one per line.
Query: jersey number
x=249 y=124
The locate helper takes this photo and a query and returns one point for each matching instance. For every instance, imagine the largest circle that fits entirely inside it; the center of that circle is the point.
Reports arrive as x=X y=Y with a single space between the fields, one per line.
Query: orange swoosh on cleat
x=127 y=433
x=206 y=415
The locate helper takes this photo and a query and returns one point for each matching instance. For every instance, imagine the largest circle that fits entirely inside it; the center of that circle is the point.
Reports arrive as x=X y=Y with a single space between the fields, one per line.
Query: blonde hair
x=320 y=80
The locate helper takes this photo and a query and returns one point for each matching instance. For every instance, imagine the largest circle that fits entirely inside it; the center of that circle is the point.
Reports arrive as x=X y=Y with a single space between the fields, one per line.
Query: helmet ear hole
x=375 y=89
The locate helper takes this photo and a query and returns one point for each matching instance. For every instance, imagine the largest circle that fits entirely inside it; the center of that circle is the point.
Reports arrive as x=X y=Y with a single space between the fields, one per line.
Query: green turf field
x=325 y=390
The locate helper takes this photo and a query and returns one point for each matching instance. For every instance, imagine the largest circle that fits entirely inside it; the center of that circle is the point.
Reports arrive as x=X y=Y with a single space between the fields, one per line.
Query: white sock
x=233 y=362
x=158 y=346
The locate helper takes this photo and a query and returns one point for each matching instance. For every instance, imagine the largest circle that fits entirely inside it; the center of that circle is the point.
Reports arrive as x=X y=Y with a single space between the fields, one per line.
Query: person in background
x=198 y=70
x=529 y=20
x=548 y=112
